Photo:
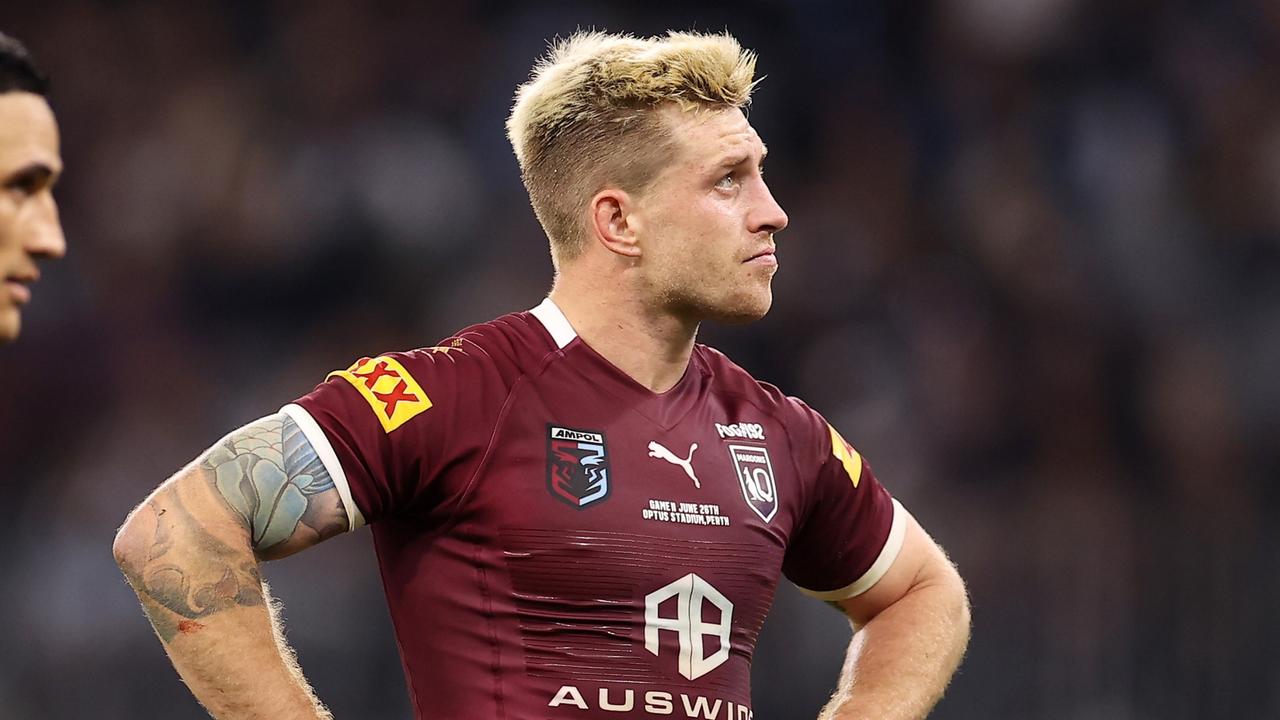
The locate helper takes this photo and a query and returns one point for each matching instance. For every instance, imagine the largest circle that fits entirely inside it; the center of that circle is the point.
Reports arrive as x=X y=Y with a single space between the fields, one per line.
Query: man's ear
x=614 y=223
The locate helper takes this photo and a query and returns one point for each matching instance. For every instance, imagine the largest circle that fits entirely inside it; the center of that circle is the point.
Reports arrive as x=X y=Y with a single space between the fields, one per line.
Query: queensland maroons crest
x=577 y=466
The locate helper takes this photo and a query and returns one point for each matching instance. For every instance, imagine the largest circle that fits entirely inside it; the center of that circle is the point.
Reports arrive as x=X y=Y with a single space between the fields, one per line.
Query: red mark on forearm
x=186 y=627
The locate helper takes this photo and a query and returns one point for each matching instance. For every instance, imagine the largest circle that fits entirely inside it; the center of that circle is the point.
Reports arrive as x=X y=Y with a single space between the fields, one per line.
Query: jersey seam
x=495 y=647
x=503 y=409
x=795 y=465
x=452 y=518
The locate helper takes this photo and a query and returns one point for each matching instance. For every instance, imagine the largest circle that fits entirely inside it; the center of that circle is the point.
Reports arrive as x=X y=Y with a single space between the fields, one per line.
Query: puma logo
x=658 y=451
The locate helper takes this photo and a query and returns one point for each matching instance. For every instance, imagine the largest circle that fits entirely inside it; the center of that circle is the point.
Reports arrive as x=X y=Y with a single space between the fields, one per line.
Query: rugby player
x=578 y=511
x=29 y=166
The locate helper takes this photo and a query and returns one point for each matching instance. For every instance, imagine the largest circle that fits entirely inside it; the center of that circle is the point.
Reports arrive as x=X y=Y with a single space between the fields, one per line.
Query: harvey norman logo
x=741 y=431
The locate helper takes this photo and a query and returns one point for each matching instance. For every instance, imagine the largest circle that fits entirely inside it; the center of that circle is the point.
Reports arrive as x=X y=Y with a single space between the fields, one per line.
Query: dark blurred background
x=1031 y=273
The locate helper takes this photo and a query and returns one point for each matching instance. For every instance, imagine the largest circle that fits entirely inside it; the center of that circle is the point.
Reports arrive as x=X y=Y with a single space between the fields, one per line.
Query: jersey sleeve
x=852 y=530
x=388 y=428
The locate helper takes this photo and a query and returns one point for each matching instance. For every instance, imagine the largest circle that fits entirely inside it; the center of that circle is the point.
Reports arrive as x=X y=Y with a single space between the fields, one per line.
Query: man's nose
x=46 y=238
x=769 y=216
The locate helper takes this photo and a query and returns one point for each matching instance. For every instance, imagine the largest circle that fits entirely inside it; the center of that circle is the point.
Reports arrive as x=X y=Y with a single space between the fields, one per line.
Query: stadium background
x=1031 y=273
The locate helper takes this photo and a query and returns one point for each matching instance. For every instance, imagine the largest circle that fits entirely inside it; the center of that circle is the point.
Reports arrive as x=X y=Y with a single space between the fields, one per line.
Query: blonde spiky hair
x=585 y=118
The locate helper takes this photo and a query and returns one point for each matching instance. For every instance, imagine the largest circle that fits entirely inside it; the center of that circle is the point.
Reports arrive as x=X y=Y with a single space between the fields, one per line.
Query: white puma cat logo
x=657 y=451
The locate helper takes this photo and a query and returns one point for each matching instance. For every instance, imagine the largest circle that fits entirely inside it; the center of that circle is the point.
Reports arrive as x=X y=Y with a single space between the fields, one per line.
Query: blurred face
x=706 y=224
x=29 y=227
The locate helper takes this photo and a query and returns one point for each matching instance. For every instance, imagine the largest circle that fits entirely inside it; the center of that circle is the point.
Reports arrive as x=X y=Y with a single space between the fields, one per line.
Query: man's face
x=29 y=227
x=706 y=225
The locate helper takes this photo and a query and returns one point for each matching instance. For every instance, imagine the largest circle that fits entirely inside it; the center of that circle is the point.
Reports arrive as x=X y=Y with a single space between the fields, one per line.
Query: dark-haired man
x=29 y=166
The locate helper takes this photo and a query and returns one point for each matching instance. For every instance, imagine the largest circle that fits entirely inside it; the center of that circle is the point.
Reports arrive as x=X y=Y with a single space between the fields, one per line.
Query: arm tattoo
x=275 y=487
x=268 y=474
x=188 y=573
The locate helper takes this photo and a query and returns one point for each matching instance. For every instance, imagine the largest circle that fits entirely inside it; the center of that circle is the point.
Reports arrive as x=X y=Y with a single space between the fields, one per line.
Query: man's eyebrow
x=32 y=174
x=736 y=159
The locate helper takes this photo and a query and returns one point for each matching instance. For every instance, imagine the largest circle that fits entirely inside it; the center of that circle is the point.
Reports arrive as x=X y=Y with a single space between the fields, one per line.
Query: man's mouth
x=18 y=288
x=764 y=257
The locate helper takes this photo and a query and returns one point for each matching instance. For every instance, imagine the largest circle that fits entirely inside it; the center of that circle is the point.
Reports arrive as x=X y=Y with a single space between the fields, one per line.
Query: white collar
x=549 y=314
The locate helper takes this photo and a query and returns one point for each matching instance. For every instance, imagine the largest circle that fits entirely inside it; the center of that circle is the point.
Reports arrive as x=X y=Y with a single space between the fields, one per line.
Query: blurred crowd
x=1032 y=273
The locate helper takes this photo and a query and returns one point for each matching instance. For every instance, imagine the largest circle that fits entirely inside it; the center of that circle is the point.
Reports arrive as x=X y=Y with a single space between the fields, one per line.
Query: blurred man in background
x=576 y=508
x=30 y=163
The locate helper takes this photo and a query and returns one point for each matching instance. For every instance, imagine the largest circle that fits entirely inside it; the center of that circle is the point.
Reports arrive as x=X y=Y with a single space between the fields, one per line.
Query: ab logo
x=690 y=594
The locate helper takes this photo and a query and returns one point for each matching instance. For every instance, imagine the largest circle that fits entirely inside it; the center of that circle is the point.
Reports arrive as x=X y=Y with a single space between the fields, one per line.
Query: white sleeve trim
x=889 y=553
x=311 y=429
x=553 y=319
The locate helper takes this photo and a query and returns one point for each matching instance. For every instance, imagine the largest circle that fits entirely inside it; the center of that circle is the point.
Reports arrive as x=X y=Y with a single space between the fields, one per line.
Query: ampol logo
x=577 y=466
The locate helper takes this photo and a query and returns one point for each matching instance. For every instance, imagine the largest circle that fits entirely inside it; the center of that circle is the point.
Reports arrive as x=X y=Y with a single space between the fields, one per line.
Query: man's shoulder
x=514 y=337
x=517 y=338
x=489 y=355
x=732 y=379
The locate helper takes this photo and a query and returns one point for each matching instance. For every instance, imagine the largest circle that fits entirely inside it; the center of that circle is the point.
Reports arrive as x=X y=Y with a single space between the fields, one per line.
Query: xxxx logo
x=388 y=388
x=845 y=453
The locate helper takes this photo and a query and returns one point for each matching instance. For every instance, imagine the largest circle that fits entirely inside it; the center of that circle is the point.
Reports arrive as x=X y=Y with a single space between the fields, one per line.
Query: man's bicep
x=273 y=479
x=919 y=561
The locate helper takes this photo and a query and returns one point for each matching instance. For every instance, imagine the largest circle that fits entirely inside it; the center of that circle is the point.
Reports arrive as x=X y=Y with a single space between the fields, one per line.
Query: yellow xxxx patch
x=847 y=455
x=388 y=388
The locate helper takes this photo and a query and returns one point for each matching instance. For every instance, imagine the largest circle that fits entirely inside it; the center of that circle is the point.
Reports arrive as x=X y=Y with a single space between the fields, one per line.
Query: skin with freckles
x=30 y=163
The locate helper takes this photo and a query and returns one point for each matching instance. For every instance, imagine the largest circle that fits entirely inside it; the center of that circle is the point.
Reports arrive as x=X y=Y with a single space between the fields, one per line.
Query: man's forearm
x=201 y=590
x=191 y=550
x=900 y=662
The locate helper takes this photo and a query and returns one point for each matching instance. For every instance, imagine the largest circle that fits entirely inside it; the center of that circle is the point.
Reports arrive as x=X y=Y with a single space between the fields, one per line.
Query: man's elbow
x=132 y=539
x=141 y=534
x=947 y=580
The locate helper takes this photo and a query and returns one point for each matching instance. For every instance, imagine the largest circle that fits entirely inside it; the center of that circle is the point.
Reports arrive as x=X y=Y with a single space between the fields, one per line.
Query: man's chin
x=744 y=312
x=10 y=324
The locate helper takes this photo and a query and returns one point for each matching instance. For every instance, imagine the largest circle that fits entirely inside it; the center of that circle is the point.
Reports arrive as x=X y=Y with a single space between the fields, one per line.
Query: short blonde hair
x=585 y=119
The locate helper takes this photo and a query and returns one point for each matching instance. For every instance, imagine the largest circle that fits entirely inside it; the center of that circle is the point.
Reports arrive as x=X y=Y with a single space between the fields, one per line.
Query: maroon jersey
x=557 y=541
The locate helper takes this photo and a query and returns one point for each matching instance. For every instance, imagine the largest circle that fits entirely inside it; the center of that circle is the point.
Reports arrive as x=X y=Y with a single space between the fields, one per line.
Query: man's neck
x=650 y=346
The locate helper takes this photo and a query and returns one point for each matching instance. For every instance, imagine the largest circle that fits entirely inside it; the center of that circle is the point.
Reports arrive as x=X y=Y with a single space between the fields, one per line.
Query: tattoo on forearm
x=275 y=487
x=187 y=572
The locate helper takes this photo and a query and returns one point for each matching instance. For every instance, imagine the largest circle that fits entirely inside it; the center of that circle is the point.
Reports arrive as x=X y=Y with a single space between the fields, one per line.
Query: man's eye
x=726 y=182
x=24 y=185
